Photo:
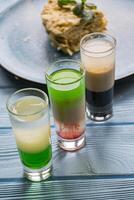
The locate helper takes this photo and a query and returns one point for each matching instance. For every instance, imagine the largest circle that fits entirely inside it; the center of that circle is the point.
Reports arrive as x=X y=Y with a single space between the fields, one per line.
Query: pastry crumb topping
x=67 y=23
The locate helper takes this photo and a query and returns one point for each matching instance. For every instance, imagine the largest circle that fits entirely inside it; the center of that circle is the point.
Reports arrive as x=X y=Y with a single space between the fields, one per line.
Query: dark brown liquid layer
x=99 y=99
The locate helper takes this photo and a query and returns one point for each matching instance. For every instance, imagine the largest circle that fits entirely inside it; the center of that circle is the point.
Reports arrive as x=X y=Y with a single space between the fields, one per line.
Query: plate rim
x=9 y=68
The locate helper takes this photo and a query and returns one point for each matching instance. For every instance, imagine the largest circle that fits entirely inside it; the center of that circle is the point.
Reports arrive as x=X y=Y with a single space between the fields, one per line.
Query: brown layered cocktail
x=98 y=58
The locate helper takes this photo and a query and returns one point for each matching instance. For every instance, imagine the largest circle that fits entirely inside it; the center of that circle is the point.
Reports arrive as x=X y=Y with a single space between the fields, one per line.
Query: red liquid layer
x=70 y=131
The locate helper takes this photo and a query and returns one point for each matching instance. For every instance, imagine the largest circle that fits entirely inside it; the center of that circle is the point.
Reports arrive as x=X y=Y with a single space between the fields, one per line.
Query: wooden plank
x=89 y=189
x=123 y=103
x=108 y=150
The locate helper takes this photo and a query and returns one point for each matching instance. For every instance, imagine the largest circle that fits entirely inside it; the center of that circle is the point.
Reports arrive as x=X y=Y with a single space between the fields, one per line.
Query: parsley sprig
x=65 y=2
x=83 y=9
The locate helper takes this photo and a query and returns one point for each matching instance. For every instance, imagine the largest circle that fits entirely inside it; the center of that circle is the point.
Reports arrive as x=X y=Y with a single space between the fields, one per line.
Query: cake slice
x=66 y=29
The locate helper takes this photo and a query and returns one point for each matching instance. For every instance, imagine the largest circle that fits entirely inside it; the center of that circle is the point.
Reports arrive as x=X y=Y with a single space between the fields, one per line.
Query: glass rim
x=98 y=33
x=22 y=90
x=65 y=60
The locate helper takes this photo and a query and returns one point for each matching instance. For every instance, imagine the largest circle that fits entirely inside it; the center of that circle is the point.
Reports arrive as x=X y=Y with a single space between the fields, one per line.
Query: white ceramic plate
x=25 y=49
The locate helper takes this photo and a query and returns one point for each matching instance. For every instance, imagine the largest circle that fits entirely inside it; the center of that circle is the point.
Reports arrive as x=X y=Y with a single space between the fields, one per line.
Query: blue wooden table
x=103 y=169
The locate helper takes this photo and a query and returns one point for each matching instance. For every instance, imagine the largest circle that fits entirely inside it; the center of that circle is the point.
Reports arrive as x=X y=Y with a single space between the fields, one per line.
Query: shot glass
x=98 y=59
x=66 y=87
x=29 y=114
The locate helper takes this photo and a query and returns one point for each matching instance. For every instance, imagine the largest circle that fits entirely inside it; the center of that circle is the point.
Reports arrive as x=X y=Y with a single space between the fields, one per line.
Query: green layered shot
x=67 y=93
x=36 y=160
x=32 y=132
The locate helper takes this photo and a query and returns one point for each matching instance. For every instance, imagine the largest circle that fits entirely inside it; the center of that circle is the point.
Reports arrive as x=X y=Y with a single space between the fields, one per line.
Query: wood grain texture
x=108 y=150
x=90 y=189
x=109 y=146
x=91 y=173
x=123 y=102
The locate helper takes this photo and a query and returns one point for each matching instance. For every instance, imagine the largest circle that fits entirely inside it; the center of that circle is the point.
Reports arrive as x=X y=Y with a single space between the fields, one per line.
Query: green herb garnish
x=83 y=3
x=65 y=2
x=84 y=13
x=83 y=9
x=78 y=10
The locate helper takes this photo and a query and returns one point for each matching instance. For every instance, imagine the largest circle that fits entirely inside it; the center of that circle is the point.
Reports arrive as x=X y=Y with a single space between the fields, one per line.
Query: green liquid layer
x=67 y=95
x=36 y=160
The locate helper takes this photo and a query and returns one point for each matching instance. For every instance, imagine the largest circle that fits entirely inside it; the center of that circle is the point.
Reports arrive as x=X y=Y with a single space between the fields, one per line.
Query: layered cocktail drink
x=98 y=58
x=28 y=110
x=66 y=86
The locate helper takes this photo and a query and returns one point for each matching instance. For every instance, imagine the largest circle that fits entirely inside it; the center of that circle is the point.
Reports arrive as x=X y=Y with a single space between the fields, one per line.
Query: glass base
x=71 y=145
x=39 y=174
x=100 y=116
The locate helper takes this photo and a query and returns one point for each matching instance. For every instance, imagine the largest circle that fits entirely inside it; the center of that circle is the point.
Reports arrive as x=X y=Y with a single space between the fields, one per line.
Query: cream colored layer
x=33 y=140
x=99 y=65
x=99 y=81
